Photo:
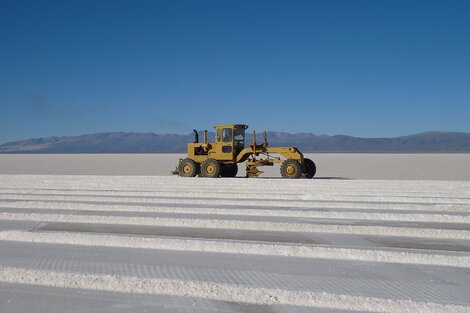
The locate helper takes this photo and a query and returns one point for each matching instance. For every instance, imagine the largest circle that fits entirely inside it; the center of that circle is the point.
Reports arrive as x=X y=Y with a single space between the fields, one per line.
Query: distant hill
x=120 y=142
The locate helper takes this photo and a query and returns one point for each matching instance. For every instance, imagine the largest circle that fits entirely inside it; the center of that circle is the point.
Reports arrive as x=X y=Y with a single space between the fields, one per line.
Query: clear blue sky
x=362 y=68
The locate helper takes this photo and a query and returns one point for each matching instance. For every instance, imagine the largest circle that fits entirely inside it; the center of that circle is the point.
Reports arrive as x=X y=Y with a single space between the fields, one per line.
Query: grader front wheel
x=310 y=167
x=291 y=168
x=211 y=168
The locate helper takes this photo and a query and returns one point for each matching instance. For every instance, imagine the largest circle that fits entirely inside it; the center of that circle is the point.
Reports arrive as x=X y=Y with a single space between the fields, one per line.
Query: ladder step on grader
x=221 y=158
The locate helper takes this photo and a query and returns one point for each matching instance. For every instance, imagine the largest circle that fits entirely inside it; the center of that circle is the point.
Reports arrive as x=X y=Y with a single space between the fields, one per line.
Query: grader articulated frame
x=221 y=157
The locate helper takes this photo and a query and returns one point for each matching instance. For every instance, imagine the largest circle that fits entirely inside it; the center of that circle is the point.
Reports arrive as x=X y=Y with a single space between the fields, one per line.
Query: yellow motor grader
x=221 y=158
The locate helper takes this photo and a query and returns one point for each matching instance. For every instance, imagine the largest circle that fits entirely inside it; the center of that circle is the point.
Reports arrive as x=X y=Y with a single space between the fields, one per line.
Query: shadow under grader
x=320 y=177
x=333 y=177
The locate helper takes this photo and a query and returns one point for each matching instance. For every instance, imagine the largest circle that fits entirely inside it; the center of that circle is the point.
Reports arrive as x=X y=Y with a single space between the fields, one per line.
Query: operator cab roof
x=231 y=125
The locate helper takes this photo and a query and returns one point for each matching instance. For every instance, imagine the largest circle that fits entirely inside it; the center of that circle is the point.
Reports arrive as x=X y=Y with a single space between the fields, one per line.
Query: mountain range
x=121 y=142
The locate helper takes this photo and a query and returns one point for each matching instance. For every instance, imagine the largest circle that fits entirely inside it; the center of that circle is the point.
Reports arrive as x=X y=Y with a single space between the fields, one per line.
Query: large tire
x=188 y=168
x=291 y=168
x=310 y=168
x=211 y=168
x=229 y=170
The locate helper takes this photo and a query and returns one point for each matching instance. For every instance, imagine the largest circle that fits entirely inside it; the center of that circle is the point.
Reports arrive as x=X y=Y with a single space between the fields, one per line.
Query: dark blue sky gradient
x=363 y=68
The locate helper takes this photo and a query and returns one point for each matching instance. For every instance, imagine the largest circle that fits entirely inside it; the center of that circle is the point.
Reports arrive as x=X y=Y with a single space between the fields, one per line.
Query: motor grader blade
x=252 y=170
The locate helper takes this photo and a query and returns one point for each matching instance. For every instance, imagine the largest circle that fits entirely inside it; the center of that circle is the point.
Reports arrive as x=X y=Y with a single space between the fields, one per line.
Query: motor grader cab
x=221 y=157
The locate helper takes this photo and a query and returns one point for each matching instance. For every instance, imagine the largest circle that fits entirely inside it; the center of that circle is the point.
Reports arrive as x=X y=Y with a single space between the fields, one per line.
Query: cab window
x=227 y=135
x=239 y=134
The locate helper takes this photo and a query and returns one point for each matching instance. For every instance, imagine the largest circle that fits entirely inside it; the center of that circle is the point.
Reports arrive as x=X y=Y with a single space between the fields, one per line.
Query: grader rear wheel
x=211 y=168
x=310 y=167
x=187 y=168
x=229 y=170
x=291 y=168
